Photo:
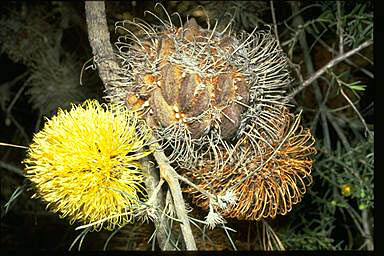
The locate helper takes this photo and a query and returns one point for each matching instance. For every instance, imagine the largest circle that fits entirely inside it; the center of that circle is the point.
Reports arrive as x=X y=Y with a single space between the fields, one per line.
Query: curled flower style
x=85 y=164
x=268 y=177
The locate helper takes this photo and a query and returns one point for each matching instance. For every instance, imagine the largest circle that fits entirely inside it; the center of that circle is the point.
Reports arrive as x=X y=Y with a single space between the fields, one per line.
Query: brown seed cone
x=268 y=177
x=196 y=87
x=180 y=90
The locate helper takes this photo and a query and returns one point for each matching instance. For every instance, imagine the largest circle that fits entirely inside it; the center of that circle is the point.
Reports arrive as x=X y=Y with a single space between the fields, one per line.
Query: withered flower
x=197 y=87
x=268 y=177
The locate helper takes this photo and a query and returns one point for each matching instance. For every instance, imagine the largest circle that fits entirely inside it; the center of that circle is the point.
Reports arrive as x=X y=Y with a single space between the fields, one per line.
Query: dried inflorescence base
x=216 y=101
x=197 y=87
x=267 y=180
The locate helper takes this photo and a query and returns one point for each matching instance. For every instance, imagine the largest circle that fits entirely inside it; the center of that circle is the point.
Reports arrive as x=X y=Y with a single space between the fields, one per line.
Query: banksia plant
x=85 y=164
x=217 y=102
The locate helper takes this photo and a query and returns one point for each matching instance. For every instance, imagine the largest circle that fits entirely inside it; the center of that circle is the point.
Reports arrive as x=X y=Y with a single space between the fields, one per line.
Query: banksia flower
x=267 y=180
x=85 y=164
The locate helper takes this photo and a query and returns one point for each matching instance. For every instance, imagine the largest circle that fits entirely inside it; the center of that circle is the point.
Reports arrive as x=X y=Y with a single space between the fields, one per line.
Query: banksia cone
x=85 y=164
x=196 y=87
x=216 y=100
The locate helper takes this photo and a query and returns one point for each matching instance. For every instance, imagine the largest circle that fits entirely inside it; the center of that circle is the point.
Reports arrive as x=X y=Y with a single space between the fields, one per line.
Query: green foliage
x=356 y=22
x=353 y=168
x=312 y=232
x=315 y=225
x=337 y=214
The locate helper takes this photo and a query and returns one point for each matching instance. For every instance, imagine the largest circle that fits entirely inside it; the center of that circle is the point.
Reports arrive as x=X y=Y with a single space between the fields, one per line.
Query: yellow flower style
x=85 y=164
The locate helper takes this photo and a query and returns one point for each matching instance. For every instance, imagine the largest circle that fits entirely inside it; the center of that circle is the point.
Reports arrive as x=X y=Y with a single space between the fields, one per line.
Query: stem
x=151 y=183
x=339 y=131
x=298 y=21
x=99 y=40
x=170 y=175
x=274 y=22
x=367 y=229
x=340 y=30
x=368 y=132
x=210 y=196
x=330 y=64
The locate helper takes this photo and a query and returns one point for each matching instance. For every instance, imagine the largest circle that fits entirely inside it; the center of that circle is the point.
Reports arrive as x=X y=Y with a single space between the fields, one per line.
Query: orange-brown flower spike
x=267 y=178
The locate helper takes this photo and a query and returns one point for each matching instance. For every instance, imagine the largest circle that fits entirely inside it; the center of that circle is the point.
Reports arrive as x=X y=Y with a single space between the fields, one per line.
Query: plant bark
x=99 y=40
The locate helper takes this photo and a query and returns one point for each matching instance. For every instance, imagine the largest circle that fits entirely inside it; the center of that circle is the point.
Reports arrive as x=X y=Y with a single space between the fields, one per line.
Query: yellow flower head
x=346 y=190
x=85 y=164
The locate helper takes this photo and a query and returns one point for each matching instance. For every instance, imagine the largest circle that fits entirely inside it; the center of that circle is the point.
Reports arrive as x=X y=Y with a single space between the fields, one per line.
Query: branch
x=274 y=22
x=340 y=30
x=151 y=183
x=367 y=229
x=330 y=64
x=298 y=22
x=170 y=175
x=99 y=40
x=330 y=49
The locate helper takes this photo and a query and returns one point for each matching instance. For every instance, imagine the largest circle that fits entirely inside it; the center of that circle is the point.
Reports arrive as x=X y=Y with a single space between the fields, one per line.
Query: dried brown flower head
x=198 y=87
x=268 y=178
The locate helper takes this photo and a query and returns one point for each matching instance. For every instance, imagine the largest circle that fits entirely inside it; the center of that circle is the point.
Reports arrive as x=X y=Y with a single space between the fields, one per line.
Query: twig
x=14 y=81
x=330 y=64
x=340 y=30
x=298 y=12
x=12 y=145
x=330 y=49
x=367 y=229
x=170 y=175
x=369 y=134
x=99 y=40
x=338 y=130
x=274 y=22
x=202 y=191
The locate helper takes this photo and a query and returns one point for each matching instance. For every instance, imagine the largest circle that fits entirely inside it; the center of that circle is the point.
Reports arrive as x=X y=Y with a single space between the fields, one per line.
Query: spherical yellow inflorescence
x=85 y=164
